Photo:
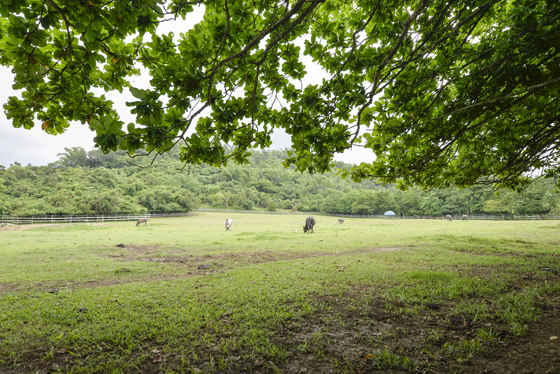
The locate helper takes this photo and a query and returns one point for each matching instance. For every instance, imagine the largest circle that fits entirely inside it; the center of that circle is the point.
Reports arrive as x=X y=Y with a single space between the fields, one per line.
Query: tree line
x=91 y=182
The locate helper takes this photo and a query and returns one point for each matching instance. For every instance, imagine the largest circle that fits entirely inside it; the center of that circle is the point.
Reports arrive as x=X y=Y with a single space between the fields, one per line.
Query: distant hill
x=83 y=182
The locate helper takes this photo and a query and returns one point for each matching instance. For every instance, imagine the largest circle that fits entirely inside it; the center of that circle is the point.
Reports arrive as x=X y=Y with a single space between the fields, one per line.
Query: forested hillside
x=83 y=182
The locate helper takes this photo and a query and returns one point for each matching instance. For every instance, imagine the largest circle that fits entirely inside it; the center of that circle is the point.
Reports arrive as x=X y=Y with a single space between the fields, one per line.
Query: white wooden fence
x=51 y=219
x=18 y=220
x=484 y=217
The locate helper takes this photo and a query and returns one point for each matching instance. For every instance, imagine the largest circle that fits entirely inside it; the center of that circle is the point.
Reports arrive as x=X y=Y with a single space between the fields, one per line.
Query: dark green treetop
x=444 y=93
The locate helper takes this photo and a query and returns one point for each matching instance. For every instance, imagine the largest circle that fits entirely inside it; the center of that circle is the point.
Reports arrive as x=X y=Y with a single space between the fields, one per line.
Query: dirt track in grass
x=190 y=263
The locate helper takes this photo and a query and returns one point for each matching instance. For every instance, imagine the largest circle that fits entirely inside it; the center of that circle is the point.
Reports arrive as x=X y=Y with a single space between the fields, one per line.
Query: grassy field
x=364 y=296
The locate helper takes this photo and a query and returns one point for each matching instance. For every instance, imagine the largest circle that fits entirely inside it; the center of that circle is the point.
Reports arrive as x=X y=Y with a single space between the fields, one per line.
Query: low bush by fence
x=46 y=219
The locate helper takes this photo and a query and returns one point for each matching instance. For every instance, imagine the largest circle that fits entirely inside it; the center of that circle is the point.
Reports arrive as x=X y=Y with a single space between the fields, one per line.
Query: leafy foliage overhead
x=443 y=92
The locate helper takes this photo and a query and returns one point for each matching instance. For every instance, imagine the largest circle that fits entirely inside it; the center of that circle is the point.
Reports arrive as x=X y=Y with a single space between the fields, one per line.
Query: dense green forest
x=83 y=182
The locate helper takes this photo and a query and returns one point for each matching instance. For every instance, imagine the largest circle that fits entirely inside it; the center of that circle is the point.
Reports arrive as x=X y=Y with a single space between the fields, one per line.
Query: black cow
x=309 y=223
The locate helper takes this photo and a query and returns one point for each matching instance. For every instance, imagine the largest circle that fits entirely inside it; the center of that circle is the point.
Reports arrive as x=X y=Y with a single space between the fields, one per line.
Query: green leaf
x=89 y=35
x=137 y=93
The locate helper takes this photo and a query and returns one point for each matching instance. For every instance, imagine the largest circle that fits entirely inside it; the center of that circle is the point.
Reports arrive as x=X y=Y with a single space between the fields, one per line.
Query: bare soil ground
x=350 y=340
x=350 y=345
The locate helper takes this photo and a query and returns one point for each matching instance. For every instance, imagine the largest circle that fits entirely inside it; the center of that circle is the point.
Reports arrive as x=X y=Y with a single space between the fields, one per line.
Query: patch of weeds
x=306 y=310
x=462 y=351
x=189 y=358
x=366 y=307
x=430 y=276
x=386 y=360
x=304 y=347
x=433 y=336
x=477 y=310
x=362 y=336
x=441 y=288
x=266 y=236
x=489 y=337
x=333 y=320
x=387 y=336
x=221 y=364
x=273 y=367
x=341 y=368
x=401 y=331
x=518 y=329
x=517 y=309
x=265 y=348
x=319 y=341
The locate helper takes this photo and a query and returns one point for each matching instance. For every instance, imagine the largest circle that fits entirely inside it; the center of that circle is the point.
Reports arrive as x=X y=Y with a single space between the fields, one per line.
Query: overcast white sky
x=38 y=148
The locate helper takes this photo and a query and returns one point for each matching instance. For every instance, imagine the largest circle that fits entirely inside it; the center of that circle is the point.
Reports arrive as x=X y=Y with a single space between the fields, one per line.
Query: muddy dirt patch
x=157 y=254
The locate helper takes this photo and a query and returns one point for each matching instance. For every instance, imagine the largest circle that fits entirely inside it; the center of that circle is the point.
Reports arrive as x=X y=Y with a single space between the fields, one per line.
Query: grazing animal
x=464 y=217
x=140 y=221
x=448 y=218
x=309 y=223
x=229 y=223
x=340 y=220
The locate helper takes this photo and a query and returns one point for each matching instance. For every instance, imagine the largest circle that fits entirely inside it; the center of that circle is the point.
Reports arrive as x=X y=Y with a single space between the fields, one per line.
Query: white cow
x=229 y=223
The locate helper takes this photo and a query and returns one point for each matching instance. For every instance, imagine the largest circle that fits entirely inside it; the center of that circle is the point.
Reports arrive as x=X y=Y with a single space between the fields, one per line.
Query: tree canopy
x=452 y=92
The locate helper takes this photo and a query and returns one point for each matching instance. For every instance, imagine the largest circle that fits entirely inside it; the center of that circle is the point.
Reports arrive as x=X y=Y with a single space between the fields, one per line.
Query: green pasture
x=273 y=297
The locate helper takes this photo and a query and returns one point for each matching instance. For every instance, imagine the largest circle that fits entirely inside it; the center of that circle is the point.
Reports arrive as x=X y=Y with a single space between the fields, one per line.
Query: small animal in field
x=229 y=223
x=464 y=217
x=141 y=221
x=340 y=220
x=309 y=223
x=448 y=218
